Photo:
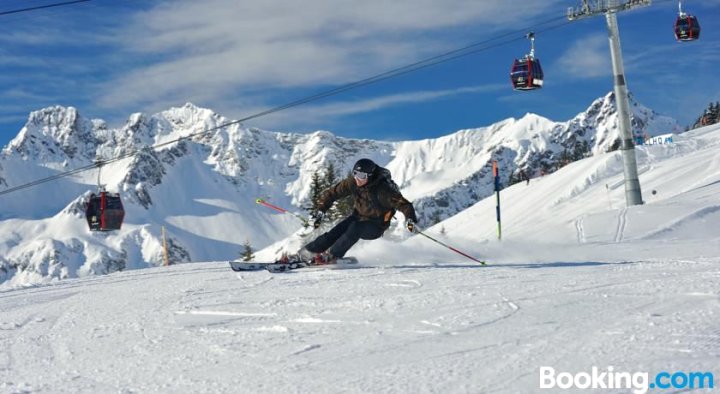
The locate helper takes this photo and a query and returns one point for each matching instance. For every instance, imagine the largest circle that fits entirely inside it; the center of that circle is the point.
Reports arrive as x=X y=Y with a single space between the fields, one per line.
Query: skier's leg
x=324 y=241
x=356 y=231
x=371 y=230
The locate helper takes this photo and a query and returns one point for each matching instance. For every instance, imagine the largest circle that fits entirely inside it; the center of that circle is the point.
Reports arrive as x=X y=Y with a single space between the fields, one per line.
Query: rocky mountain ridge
x=202 y=186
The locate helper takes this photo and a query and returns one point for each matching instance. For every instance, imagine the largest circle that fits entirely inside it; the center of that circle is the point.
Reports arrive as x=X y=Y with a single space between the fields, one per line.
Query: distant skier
x=376 y=198
x=524 y=177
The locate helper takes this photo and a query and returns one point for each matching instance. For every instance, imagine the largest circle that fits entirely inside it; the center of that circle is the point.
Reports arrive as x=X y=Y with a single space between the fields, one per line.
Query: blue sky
x=111 y=58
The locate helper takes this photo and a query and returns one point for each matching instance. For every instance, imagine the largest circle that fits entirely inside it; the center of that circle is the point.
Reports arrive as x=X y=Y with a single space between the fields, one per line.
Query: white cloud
x=588 y=57
x=353 y=107
x=222 y=48
x=237 y=57
x=311 y=115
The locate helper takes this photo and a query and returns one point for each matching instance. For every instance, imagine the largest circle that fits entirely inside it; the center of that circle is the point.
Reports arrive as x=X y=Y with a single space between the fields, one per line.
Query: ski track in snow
x=580 y=228
x=622 y=223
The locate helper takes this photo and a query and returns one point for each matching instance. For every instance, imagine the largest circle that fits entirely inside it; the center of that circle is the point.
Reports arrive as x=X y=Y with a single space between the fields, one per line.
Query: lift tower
x=633 y=195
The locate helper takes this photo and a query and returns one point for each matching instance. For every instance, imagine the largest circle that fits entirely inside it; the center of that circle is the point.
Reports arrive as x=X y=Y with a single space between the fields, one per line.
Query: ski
x=240 y=266
x=285 y=266
x=276 y=267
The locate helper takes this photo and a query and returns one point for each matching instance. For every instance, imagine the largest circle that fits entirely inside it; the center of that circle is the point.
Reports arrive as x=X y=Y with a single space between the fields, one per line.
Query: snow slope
x=578 y=281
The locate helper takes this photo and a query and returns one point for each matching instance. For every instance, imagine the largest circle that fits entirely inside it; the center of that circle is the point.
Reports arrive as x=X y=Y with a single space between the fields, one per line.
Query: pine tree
x=581 y=151
x=436 y=217
x=564 y=158
x=328 y=181
x=316 y=189
x=546 y=167
x=247 y=254
x=344 y=206
x=330 y=177
x=512 y=179
x=714 y=113
x=578 y=152
x=322 y=180
x=711 y=115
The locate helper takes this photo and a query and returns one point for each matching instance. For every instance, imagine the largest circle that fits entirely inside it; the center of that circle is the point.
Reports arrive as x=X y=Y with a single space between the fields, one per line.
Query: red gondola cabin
x=687 y=28
x=104 y=212
x=526 y=74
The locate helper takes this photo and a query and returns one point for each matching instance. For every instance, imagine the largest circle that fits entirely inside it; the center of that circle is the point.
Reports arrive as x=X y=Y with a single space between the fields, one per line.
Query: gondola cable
x=432 y=61
x=42 y=7
x=445 y=57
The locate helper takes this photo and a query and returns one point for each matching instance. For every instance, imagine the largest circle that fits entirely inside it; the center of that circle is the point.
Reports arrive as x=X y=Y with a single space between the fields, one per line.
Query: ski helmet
x=365 y=165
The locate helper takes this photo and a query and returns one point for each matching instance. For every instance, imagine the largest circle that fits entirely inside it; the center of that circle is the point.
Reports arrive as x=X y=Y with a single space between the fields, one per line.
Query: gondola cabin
x=526 y=74
x=104 y=212
x=687 y=28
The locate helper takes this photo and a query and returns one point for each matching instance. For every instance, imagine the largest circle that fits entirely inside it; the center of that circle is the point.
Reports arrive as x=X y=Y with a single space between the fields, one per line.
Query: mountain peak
x=189 y=114
x=600 y=121
x=53 y=121
x=532 y=119
x=52 y=129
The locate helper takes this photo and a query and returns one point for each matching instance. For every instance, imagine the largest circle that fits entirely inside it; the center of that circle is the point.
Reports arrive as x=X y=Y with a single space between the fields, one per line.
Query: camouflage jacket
x=377 y=200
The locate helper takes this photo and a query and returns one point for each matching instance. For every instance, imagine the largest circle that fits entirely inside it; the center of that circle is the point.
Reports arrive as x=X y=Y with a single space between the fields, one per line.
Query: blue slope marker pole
x=497 y=194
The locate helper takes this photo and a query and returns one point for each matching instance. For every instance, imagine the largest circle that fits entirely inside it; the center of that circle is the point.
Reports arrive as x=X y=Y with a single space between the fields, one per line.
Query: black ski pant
x=345 y=234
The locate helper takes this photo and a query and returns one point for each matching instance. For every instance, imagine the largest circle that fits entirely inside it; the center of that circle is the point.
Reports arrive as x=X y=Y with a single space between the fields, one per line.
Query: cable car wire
x=419 y=65
x=442 y=58
x=40 y=7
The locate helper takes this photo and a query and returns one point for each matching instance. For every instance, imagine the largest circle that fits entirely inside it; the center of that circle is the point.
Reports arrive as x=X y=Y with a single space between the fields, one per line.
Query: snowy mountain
x=203 y=188
x=579 y=284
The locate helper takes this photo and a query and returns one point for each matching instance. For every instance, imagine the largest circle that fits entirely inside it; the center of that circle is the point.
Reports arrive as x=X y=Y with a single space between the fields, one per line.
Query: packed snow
x=578 y=281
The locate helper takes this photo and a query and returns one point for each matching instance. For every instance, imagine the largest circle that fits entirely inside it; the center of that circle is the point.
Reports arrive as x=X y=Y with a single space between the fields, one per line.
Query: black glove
x=317 y=218
x=410 y=225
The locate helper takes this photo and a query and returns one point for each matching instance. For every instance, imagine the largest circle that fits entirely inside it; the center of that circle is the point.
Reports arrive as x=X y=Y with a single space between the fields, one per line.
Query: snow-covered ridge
x=203 y=189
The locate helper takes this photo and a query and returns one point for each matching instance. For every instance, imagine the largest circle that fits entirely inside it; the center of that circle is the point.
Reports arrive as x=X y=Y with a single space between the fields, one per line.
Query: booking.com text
x=638 y=382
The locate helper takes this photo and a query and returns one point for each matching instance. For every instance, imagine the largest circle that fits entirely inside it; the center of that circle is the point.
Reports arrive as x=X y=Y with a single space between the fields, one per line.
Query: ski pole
x=267 y=204
x=450 y=247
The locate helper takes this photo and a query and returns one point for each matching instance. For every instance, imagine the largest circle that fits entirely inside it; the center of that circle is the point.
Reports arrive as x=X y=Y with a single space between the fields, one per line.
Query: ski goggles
x=360 y=175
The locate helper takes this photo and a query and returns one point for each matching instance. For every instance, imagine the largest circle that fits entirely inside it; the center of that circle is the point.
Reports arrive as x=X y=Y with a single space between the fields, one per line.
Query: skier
x=524 y=177
x=376 y=198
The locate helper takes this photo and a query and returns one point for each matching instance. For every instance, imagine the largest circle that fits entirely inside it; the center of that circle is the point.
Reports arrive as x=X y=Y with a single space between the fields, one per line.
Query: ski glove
x=410 y=225
x=317 y=218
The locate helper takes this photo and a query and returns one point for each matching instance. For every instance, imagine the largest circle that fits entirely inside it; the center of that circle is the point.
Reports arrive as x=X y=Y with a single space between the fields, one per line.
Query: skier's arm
x=339 y=190
x=394 y=199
